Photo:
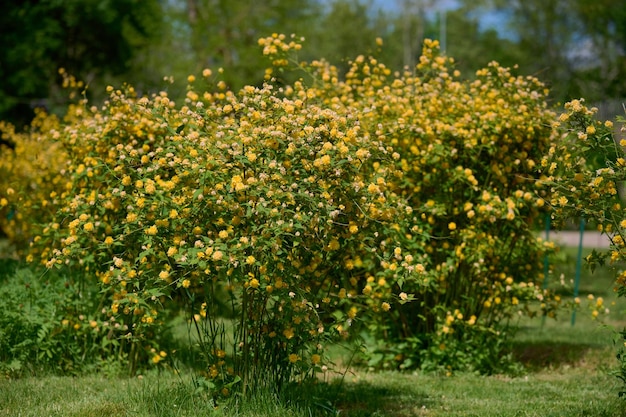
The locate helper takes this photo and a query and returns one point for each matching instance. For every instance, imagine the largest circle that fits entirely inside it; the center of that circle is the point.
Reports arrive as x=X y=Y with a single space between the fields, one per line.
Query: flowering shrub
x=253 y=206
x=470 y=153
x=585 y=171
x=281 y=216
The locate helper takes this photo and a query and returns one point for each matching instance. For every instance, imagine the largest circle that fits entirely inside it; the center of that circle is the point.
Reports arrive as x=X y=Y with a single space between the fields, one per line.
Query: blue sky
x=488 y=20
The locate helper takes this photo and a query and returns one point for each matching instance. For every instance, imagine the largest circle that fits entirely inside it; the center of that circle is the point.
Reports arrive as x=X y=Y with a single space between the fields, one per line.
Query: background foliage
x=576 y=47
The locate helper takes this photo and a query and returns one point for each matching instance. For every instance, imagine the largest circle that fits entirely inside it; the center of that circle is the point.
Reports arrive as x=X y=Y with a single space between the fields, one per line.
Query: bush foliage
x=284 y=217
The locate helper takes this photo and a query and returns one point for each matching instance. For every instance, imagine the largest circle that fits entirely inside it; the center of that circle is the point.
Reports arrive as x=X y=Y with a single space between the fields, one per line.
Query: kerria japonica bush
x=586 y=171
x=470 y=153
x=245 y=205
x=285 y=216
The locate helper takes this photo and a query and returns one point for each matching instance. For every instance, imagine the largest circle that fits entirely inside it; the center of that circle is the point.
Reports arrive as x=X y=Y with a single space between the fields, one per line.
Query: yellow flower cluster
x=30 y=184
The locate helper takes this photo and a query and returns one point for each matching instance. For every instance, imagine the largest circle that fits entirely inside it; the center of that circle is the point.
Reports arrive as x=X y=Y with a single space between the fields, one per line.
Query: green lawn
x=566 y=373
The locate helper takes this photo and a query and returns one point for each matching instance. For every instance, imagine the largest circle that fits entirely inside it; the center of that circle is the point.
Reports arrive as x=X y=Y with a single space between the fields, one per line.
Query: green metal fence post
x=579 y=264
x=546 y=263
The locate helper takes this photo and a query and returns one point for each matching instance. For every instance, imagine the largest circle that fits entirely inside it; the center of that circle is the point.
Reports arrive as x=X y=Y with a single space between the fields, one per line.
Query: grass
x=567 y=373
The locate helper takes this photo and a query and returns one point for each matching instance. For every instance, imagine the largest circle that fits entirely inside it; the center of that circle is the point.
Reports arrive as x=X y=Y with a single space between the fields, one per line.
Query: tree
x=473 y=48
x=89 y=39
x=346 y=29
x=576 y=46
x=224 y=33
x=603 y=73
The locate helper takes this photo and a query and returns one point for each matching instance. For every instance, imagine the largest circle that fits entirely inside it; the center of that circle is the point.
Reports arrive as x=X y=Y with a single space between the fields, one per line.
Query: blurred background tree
x=92 y=40
x=576 y=46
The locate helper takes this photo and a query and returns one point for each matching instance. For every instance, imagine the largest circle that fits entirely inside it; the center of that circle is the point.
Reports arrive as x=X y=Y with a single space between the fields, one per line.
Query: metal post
x=579 y=264
x=546 y=264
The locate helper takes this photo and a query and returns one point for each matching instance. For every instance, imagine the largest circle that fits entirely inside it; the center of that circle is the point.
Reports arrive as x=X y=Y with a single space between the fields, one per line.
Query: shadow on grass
x=390 y=397
x=364 y=399
x=538 y=355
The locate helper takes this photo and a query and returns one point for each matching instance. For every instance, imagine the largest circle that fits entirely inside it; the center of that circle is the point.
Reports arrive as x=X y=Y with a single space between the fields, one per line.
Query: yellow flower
x=452 y=226
x=150 y=187
x=217 y=255
x=333 y=245
x=88 y=227
x=315 y=359
x=152 y=230
x=164 y=275
x=186 y=283
x=288 y=333
x=250 y=260
x=108 y=240
x=373 y=188
x=386 y=306
x=323 y=161
x=293 y=358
